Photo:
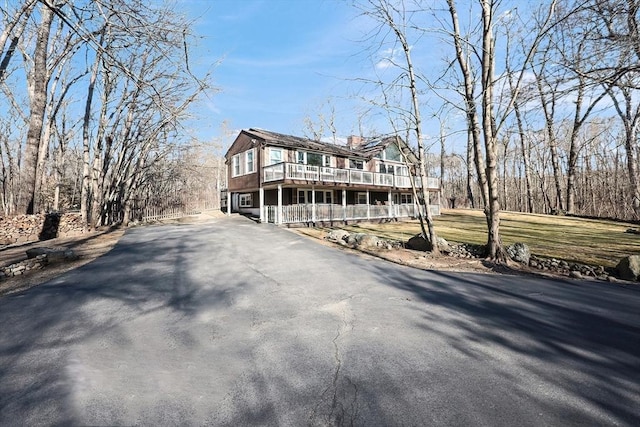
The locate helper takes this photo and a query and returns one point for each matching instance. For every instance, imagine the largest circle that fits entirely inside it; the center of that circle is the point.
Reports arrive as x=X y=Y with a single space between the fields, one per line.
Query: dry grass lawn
x=588 y=241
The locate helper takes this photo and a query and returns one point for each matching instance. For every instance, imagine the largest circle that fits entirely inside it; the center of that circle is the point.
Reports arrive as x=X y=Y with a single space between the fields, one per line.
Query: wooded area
x=549 y=92
x=95 y=94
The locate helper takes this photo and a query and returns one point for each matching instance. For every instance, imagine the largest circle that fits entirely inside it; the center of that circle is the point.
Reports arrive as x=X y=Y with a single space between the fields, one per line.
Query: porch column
x=439 y=204
x=344 y=205
x=279 y=219
x=262 y=205
x=389 y=199
x=313 y=204
x=368 y=207
x=228 y=203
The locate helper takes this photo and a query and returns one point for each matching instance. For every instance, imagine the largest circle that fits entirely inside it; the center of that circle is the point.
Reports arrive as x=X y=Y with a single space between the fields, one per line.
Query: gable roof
x=366 y=150
x=290 y=141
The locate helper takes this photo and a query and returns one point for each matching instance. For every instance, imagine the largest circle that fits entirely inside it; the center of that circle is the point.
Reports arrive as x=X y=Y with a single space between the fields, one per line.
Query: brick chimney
x=353 y=141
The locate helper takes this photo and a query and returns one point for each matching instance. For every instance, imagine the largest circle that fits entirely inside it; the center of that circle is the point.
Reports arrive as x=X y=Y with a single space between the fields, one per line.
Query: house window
x=356 y=164
x=250 y=161
x=406 y=198
x=313 y=159
x=402 y=170
x=275 y=156
x=245 y=200
x=392 y=153
x=235 y=163
x=328 y=197
x=361 y=198
x=306 y=197
x=382 y=168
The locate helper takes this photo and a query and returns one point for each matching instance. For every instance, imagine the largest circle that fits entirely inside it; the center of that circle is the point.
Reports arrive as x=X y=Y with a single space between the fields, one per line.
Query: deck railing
x=308 y=213
x=301 y=172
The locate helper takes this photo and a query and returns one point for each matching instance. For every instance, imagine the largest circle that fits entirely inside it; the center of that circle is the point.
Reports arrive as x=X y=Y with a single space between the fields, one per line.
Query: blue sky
x=278 y=61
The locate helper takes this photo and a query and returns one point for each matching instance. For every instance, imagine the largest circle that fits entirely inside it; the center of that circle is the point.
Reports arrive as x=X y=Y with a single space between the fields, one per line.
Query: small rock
x=575 y=274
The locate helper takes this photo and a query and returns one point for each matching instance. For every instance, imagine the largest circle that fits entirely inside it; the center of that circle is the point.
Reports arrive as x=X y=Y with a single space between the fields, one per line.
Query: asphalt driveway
x=235 y=323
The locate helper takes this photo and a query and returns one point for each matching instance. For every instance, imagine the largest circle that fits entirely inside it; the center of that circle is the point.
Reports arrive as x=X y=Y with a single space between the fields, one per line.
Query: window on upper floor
x=235 y=165
x=392 y=153
x=313 y=159
x=243 y=163
x=399 y=170
x=356 y=164
x=251 y=166
x=275 y=155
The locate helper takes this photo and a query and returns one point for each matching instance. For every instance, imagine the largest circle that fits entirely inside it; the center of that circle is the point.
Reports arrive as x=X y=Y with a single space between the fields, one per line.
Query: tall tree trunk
x=495 y=249
x=38 y=102
x=471 y=109
x=548 y=109
x=417 y=126
x=469 y=160
x=86 y=145
x=526 y=161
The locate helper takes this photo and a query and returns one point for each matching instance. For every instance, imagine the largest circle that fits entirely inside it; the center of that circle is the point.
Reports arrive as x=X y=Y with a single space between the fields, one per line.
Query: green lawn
x=588 y=241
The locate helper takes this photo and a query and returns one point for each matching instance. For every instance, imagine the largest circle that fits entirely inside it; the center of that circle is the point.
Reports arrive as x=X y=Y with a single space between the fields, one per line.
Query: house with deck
x=285 y=179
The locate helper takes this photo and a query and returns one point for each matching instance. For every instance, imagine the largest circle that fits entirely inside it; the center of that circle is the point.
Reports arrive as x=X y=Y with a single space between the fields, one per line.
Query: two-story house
x=287 y=179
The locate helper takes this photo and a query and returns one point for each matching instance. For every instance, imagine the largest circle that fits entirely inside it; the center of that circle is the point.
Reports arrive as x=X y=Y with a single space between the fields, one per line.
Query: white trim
x=245 y=200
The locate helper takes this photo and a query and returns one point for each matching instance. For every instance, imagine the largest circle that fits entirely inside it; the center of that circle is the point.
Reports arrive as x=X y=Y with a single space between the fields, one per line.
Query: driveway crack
x=342 y=409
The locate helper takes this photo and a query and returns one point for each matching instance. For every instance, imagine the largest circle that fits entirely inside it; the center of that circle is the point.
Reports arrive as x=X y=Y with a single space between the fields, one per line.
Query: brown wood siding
x=370 y=165
x=243 y=183
x=246 y=182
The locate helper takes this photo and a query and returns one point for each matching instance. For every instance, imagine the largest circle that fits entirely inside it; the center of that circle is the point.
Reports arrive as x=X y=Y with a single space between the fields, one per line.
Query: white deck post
x=261 y=204
x=344 y=205
x=228 y=203
x=368 y=207
x=313 y=204
x=279 y=219
x=390 y=205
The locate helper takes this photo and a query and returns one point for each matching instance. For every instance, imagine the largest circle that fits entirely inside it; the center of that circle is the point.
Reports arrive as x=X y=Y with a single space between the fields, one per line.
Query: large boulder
x=339 y=236
x=53 y=254
x=629 y=267
x=443 y=245
x=419 y=243
x=519 y=252
x=363 y=240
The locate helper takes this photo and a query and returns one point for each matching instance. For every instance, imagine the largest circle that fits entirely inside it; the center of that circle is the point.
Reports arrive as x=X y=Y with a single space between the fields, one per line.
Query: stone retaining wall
x=30 y=228
x=23 y=267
